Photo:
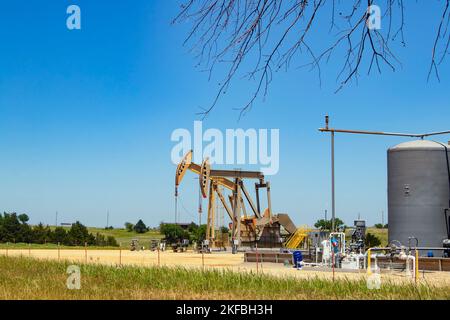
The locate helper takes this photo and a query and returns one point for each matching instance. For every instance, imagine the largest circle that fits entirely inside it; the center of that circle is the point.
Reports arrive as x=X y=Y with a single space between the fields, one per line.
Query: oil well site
x=253 y=239
x=225 y=150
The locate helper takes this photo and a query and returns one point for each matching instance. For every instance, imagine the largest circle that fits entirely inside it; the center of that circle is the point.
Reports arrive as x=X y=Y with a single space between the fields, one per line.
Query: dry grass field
x=214 y=261
x=28 y=278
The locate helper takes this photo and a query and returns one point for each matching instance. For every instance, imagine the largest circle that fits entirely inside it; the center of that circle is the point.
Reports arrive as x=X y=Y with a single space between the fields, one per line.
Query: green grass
x=24 y=278
x=382 y=234
x=122 y=236
x=49 y=246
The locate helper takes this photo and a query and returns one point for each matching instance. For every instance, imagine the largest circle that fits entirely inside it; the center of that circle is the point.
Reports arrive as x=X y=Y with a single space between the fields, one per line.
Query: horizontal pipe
x=411 y=135
x=425 y=248
x=409 y=248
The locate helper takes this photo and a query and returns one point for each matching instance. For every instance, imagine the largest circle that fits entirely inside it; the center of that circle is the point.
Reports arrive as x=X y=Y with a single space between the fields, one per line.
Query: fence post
x=29 y=249
x=203 y=260
x=257 y=262
x=85 y=252
x=159 y=259
x=120 y=256
x=59 y=253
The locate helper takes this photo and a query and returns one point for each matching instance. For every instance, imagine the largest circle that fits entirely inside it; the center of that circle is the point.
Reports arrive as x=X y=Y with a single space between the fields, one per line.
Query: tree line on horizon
x=14 y=228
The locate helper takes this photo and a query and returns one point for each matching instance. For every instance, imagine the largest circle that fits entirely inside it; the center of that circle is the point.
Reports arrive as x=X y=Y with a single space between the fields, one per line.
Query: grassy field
x=382 y=234
x=24 y=278
x=122 y=236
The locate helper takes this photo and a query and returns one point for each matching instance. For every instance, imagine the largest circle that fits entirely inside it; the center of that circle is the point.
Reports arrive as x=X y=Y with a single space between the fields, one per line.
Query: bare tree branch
x=267 y=35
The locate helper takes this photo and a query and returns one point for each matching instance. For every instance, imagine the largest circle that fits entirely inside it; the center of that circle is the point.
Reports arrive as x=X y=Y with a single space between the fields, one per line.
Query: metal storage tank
x=418 y=192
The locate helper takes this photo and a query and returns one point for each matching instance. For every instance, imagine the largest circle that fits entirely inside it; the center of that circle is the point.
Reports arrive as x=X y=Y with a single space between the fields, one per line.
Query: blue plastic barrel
x=297 y=257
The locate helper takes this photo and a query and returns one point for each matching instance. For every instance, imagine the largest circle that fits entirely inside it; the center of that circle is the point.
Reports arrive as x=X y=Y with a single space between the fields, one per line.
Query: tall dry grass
x=24 y=278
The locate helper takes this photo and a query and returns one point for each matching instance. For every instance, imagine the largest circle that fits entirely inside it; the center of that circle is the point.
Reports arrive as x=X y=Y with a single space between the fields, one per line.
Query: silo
x=418 y=192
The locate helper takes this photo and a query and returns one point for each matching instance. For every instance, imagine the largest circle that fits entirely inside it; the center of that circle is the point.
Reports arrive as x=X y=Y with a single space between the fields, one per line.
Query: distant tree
x=386 y=226
x=78 y=235
x=379 y=226
x=224 y=230
x=201 y=232
x=59 y=235
x=111 y=242
x=12 y=230
x=172 y=232
x=323 y=224
x=129 y=226
x=140 y=227
x=372 y=241
x=41 y=234
x=193 y=227
x=23 y=218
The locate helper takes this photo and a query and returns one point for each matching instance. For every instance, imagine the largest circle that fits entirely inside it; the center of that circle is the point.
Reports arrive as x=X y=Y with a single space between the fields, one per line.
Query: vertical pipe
x=176 y=204
x=332 y=261
x=417 y=265
x=333 y=199
x=369 y=271
x=269 y=202
x=120 y=256
x=258 y=205
x=213 y=215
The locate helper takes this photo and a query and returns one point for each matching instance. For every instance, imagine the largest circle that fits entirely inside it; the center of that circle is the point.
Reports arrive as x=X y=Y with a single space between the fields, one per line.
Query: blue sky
x=86 y=116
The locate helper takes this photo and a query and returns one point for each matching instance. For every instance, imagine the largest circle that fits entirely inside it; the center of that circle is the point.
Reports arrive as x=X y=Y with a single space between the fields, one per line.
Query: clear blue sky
x=86 y=116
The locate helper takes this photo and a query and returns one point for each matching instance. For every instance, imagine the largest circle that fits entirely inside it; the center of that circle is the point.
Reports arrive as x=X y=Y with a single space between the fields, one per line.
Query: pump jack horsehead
x=248 y=229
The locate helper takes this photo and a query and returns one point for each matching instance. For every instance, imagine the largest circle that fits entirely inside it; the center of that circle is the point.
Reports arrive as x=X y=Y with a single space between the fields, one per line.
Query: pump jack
x=210 y=180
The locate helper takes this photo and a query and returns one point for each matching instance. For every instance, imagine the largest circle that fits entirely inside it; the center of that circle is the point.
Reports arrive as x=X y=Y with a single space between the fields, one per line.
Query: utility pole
x=333 y=186
x=382 y=218
x=56 y=219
